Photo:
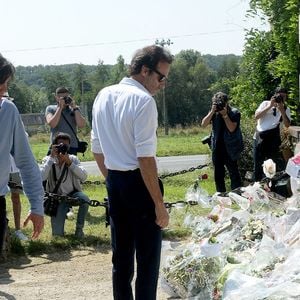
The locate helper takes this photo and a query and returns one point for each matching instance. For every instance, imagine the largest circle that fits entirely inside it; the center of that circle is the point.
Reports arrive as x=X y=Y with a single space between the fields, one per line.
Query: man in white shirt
x=124 y=146
x=269 y=115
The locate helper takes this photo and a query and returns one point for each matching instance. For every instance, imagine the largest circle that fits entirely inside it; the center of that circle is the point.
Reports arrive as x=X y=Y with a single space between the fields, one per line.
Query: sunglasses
x=162 y=77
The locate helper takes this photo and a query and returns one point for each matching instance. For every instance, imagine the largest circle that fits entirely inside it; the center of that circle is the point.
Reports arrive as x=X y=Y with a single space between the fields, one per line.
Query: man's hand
x=54 y=151
x=62 y=103
x=273 y=102
x=38 y=224
x=162 y=215
x=281 y=108
x=65 y=158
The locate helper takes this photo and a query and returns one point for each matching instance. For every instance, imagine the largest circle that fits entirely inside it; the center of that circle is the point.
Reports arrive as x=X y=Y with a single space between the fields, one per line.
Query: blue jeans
x=58 y=222
x=133 y=233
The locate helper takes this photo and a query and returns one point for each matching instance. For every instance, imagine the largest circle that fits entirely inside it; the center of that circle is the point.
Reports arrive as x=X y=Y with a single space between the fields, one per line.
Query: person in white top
x=124 y=146
x=269 y=115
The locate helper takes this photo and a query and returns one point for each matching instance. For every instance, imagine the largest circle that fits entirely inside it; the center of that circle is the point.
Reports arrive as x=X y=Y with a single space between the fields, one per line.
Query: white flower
x=269 y=168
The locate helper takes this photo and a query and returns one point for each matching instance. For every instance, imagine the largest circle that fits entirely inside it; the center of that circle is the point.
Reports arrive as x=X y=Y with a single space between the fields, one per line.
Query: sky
x=49 y=32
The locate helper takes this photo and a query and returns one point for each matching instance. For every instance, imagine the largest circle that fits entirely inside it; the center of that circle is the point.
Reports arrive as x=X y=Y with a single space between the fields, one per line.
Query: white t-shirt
x=269 y=121
x=124 y=125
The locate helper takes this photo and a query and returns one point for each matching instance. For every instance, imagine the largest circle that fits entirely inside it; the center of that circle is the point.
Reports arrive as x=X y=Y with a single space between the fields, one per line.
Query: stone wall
x=34 y=123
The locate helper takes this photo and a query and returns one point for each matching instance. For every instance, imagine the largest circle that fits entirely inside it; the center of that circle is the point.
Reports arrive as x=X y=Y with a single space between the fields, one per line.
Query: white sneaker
x=20 y=235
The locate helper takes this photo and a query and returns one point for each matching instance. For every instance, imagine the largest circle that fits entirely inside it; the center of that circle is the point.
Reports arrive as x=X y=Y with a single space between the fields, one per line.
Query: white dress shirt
x=124 y=125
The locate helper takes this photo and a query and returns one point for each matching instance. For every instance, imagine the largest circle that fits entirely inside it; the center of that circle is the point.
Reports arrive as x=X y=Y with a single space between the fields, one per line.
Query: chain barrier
x=74 y=201
x=192 y=169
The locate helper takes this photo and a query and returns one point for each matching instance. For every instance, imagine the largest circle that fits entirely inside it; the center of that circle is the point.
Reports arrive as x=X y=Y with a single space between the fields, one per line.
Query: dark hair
x=61 y=136
x=61 y=90
x=220 y=96
x=6 y=69
x=149 y=56
x=281 y=89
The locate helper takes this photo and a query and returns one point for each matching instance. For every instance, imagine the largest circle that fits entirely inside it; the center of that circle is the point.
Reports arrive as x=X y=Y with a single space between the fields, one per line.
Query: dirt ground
x=80 y=274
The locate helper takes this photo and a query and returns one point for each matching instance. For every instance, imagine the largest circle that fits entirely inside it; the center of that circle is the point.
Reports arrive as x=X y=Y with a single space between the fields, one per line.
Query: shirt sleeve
x=145 y=126
x=29 y=170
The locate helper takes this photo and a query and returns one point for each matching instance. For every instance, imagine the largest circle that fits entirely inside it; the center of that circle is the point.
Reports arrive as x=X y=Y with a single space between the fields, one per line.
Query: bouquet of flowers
x=189 y=273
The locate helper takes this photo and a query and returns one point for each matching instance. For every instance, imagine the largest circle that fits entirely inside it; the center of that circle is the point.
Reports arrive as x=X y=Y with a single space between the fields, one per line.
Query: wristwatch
x=76 y=108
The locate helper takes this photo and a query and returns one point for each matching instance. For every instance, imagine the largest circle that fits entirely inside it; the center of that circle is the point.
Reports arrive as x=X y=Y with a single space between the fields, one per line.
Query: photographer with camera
x=63 y=172
x=267 y=141
x=226 y=140
x=65 y=116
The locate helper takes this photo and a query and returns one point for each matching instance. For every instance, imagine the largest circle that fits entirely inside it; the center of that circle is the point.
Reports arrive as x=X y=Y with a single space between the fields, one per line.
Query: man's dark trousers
x=133 y=231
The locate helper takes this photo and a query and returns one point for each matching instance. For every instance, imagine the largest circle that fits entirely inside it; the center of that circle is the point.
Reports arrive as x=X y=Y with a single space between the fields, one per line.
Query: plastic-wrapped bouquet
x=189 y=273
x=253 y=230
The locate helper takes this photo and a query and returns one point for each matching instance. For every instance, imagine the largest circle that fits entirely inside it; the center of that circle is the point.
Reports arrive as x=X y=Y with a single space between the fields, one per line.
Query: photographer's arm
x=261 y=112
x=73 y=163
x=231 y=126
x=207 y=119
x=80 y=120
x=52 y=120
x=285 y=119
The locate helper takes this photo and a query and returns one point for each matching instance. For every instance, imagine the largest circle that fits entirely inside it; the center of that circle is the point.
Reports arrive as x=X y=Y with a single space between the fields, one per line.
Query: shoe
x=70 y=214
x=79 y=234
x=21 y=236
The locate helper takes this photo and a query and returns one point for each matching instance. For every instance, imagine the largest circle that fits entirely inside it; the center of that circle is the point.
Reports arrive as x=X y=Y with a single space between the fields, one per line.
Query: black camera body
x=206 y=140
x=220 y=105
x=278 y=98
x=62 y=148
x=68 y=100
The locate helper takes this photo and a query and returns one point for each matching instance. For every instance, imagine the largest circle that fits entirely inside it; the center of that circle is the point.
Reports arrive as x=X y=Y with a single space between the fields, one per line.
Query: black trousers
x=263 y=150
x=220 y=160
x=134 y=234
x=3 y=222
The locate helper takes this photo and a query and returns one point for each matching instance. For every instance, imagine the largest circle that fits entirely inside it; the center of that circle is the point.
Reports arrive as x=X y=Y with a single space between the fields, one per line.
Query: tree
x=271 y=58
x=53 y=80
x=118 y=71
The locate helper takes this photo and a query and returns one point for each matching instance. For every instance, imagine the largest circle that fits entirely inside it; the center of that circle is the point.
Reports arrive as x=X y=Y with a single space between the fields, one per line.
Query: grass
x=95 y=230
x=178 y=142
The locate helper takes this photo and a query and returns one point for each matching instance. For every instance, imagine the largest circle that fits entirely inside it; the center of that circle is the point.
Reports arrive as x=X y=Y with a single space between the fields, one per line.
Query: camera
x=206 y=140
x=220 y=105
x=278 y=98
x=68 y=100
x=62 y=148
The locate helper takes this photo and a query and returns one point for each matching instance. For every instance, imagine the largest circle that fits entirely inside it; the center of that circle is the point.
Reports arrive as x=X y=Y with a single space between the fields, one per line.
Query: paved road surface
x=165 y=164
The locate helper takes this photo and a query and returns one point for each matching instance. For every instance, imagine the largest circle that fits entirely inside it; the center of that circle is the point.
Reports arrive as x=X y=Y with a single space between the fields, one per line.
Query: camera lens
x=68 y=100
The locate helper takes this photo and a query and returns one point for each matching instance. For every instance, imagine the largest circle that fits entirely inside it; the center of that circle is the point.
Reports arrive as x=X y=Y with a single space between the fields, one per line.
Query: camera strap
x=60 y=177
x=70 y=126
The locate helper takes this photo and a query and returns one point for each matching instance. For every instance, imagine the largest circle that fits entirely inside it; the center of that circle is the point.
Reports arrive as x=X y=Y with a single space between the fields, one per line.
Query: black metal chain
x=192 y=169
x=74 y=201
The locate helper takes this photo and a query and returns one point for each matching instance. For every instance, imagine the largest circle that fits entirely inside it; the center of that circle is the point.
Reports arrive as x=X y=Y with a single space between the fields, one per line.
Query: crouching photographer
x=226 y=140
x=63 y=175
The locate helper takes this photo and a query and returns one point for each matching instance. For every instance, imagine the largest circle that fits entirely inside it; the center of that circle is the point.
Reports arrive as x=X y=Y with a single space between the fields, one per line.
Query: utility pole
x=163 y=43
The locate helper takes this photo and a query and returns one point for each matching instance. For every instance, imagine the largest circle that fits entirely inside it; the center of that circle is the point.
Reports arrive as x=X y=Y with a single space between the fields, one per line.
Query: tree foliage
x=270 y=58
